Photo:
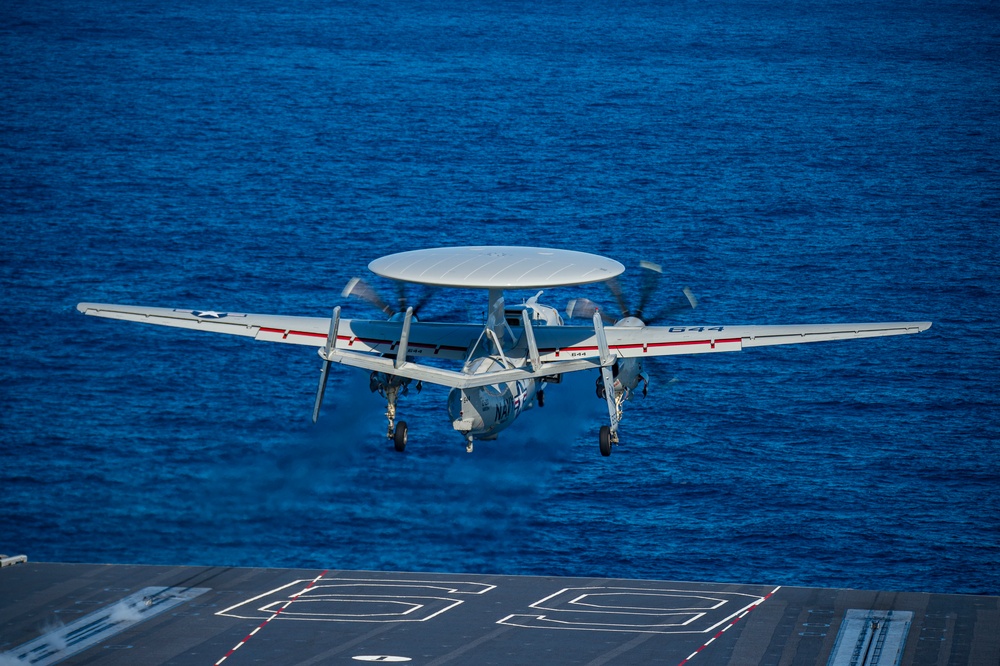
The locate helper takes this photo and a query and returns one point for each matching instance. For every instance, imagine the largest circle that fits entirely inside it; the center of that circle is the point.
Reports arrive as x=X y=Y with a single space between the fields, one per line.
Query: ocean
x=804 y=162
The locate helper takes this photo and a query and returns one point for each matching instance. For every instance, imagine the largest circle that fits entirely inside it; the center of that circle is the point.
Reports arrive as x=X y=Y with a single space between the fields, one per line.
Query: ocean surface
x=800 y=162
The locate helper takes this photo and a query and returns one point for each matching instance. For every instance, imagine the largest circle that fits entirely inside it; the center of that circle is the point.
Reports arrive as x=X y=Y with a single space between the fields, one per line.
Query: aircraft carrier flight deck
x=124 y=614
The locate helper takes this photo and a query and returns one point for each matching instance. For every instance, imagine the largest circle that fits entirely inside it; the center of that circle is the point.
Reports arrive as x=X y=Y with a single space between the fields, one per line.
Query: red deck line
x=730 y=625
x=276 y=614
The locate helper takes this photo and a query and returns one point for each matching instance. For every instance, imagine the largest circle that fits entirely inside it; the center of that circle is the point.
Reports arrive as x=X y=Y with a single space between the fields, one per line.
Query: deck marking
x=341 y=599
x=742 y=614
x=64 y=641
x=274 y=615
x=634 y=610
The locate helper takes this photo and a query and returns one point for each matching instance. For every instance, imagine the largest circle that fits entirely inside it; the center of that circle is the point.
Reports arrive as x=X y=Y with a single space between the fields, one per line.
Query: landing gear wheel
x=399 y=437
x=605 y=438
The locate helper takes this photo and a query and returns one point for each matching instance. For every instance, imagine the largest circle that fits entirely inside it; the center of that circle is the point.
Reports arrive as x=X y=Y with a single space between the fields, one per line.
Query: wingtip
x=90 y=308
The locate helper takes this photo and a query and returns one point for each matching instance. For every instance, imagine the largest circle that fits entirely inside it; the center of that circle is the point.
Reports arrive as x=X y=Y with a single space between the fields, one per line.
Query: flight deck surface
x=124 y=614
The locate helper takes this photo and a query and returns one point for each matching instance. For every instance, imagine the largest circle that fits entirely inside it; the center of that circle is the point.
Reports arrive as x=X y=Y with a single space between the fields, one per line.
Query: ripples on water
x=790 y=163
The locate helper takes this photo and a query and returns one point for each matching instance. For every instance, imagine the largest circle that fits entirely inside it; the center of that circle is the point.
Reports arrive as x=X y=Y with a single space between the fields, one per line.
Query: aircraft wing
x=560 y=343
x=371 y=344
x=427 y=340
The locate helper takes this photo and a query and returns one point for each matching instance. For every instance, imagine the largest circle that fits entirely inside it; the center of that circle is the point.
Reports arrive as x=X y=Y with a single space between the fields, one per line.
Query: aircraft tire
x=605 y=437
x=399 y=436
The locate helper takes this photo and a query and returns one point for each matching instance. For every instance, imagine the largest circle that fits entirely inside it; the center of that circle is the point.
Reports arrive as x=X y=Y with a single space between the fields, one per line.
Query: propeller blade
x=651 y=274
x=400 y=297
x=425 y=296
x=360 y=289
x=615 y=287
x=690 y=296
x=582 y=308
x=687 y=301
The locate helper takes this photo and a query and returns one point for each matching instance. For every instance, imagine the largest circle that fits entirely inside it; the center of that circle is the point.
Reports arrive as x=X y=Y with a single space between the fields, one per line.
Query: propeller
x=358 y=288
x=650 y=277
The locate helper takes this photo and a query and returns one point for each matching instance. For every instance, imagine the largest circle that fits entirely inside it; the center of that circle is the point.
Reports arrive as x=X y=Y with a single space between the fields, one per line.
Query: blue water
x=797 y=162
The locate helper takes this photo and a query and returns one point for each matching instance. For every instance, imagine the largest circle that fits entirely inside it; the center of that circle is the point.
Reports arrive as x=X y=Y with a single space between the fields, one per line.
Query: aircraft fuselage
x=484 y=411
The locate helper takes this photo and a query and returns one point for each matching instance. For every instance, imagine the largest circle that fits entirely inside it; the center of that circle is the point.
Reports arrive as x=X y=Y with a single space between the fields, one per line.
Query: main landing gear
x=605 y=440
x=390 y=387
x=399 y=436
x=615 y=398
x=608 y=435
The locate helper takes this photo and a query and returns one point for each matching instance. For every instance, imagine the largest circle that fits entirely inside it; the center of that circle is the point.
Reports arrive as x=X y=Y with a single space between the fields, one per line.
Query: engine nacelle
x=627 y=374
x=382 y=383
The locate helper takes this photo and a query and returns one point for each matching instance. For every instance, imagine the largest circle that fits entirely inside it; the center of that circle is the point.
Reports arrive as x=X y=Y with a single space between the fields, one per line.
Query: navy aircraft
x=504 y=364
